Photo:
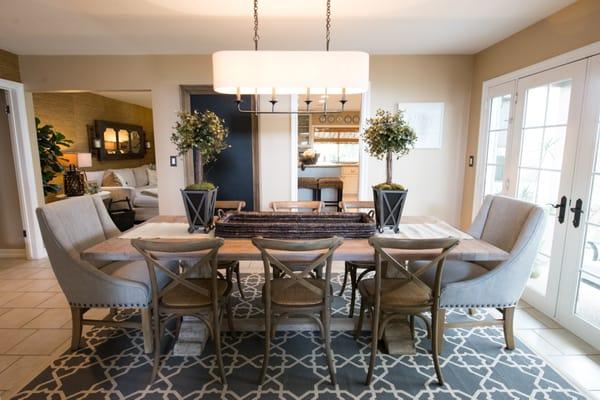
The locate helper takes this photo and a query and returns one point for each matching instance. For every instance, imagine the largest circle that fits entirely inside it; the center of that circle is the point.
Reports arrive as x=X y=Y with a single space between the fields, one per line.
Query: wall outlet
x=173 y=161
x=471 y=161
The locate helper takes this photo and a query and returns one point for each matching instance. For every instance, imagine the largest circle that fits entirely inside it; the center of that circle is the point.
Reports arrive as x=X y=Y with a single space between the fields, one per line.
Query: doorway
x=541 y=144
x=12 y=242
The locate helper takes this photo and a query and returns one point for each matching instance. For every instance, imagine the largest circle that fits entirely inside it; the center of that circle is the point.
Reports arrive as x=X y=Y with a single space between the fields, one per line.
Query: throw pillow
x=141 y=176
x=152 y=181
x=111 y=178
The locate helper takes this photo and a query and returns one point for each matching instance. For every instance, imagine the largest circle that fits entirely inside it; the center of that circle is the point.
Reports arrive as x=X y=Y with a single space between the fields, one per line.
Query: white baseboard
x=12 y=253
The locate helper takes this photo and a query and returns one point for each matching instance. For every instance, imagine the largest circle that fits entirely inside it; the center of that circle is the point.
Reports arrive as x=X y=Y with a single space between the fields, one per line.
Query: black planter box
x=200 y=208
x=388 y=207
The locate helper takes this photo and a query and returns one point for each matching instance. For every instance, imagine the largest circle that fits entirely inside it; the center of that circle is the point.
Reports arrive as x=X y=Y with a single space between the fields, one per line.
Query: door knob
x=562 y=208
x=577 y=211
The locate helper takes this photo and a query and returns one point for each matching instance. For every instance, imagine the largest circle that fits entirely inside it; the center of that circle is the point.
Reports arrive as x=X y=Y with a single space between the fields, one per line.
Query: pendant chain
x=328 y=25
x=256 y=37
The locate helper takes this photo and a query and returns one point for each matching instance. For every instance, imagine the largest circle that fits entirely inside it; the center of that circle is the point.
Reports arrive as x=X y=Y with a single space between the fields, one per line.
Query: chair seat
x=454 y=271
x=182 y=296
x=284 y=293
x=407 y=294
x=137 y=271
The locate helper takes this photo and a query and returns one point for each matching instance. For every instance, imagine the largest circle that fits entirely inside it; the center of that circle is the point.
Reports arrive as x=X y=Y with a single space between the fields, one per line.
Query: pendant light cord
x=328 y=25
x=256 y=37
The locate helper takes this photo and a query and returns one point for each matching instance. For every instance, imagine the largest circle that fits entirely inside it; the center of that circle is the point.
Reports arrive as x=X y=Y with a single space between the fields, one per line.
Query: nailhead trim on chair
x=80 y=305
x=478 y=305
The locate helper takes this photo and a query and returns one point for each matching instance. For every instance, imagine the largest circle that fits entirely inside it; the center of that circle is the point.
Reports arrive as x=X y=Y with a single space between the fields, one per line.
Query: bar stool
x=312 y=184
x=332 y=183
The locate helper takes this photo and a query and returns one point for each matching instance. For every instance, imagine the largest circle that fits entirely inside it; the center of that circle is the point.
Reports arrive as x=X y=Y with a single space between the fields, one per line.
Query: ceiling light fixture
x=261 y=72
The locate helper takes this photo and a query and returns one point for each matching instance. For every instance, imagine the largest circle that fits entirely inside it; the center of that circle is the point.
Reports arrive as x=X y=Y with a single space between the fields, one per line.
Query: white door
x=579 y=298
x=540 y=169
x=497 y=120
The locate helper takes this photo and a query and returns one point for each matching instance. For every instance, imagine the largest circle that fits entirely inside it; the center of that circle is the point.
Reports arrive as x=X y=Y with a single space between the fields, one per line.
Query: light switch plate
x=173 y=161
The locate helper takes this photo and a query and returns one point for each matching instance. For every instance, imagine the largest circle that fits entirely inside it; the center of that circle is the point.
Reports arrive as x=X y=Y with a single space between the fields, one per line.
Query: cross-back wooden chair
x=312 y=206
x=393 y=298
x=186 y=295
x=352 y=268
x=297 y=292
x=231 y=267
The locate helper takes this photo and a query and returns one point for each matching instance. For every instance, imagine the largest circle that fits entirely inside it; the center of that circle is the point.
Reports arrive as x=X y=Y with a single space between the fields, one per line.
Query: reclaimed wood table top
x=358 y=250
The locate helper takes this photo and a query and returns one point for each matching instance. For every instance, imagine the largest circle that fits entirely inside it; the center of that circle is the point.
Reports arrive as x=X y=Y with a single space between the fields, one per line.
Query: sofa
x=138 y=184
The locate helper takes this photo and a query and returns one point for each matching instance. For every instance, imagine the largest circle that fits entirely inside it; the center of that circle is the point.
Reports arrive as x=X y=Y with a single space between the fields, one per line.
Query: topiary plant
x=388 y=134
x=202 y=133
x=49 y=146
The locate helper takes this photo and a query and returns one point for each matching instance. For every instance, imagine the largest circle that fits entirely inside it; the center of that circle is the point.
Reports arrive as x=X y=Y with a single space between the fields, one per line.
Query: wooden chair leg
x=346 y=272
x=441 y=321
x=411 y=324
x=229 y=306
x=76 y=317
x=435 y=342
x=265 y=364
x=157 y=335
x=509 y=337
x=217 y=340
x=326 y=317
x=147 y=329
x=354 y=287
x=239 y=280
x=374 y=343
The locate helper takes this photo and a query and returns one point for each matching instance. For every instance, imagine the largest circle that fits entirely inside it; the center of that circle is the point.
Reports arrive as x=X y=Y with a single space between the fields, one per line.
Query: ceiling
x=141 y=98
x=204 y=26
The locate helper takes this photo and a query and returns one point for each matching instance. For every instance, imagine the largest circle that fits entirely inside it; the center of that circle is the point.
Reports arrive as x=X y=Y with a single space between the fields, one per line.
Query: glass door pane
x=497 y=143
x=540 y=162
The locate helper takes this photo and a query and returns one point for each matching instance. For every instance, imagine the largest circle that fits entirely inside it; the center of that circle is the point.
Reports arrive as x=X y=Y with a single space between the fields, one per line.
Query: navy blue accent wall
x=232 y=171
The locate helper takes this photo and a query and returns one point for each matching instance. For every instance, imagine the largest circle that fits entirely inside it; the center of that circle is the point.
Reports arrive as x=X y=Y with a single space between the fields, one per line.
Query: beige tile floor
x=35 y=328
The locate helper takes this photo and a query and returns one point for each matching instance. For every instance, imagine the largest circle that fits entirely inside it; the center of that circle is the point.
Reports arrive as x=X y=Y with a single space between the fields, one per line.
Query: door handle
x=562 y=209
x=577 y=211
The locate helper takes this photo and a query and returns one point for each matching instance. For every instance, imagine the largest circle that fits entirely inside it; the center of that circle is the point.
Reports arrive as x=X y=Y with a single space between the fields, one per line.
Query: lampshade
x=84 y=160
x=290 y=72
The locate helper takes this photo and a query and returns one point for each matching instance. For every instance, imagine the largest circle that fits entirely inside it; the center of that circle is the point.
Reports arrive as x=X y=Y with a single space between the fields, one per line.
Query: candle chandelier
x=302 y=73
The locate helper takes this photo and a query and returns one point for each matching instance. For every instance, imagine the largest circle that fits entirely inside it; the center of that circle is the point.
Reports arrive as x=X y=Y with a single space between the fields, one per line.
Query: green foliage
x=205 y=132
x=390 y=186
x=387 y=133
x=201 y=186
x=49 y=147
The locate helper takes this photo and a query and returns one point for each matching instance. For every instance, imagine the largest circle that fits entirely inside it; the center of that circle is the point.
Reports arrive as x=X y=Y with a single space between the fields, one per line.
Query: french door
x=542 y=144
x=579 y=295
x=540 y=167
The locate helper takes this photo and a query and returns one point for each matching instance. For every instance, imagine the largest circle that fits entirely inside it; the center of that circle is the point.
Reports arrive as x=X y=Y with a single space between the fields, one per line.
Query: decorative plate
x=331 y=119
x=356 y=119
x=348 y=119
x=322 y=119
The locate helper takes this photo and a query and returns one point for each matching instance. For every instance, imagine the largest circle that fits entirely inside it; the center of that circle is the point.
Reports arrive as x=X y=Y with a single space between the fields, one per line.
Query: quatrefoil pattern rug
x=475 y=364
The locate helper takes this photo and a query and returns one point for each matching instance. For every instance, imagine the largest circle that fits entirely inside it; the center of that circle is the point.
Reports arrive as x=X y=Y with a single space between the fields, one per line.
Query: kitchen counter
x=330 y=165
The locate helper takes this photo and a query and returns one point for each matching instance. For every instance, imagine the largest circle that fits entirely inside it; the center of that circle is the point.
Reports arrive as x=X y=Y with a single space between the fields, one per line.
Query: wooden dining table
x=358 y=250
x=397 y=336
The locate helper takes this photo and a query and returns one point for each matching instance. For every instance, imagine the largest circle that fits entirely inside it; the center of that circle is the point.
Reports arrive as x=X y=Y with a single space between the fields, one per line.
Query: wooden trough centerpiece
x=295 y=225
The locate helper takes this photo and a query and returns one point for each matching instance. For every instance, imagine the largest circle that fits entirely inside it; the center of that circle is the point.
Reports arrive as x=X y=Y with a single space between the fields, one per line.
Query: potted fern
x=389 y=135
x=204 y=135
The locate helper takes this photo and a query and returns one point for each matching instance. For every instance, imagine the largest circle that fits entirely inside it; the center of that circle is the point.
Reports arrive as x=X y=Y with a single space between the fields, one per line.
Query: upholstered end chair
x=511 y=225
x=68 y=228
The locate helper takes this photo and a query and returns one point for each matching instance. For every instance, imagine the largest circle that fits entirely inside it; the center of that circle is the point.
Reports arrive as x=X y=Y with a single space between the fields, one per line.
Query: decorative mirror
x=117 y=141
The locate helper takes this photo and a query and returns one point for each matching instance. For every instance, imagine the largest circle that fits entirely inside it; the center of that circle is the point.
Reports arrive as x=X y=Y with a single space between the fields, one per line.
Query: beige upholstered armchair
x=512 y=225
x=68 y=228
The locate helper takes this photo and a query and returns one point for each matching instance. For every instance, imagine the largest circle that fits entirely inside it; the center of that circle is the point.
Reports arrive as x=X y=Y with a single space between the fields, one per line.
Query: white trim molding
x=364 y=192
x=27 y=164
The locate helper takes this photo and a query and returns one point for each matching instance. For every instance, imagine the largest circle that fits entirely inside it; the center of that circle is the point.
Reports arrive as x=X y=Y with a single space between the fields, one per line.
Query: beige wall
x=11 y=225
x=9 y=66
x=393 y=78
x=433 y=176
x=568 y=29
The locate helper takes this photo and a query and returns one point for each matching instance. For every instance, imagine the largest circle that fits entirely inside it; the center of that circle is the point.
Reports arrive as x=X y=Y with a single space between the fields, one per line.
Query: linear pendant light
x=275 y=73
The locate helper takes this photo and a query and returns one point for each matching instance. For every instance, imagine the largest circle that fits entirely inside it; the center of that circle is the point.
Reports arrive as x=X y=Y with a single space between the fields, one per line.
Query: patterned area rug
x=475 y=366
